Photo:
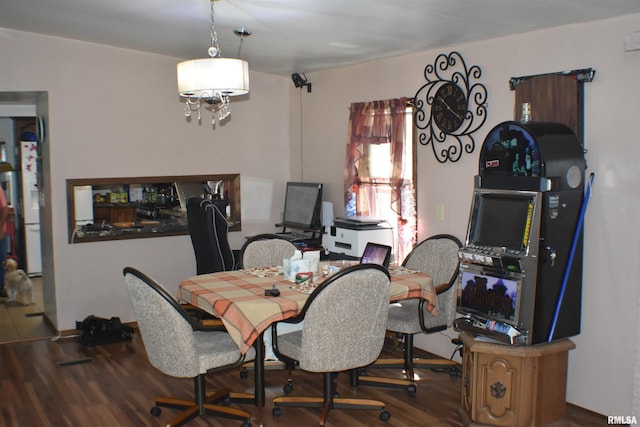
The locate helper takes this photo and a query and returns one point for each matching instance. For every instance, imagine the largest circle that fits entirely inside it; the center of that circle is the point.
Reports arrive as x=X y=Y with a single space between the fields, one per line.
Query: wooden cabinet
x=114 y=214
x=506 y=385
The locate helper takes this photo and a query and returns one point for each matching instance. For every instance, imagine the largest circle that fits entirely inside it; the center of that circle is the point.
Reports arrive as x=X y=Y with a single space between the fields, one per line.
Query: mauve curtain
x=380 y=122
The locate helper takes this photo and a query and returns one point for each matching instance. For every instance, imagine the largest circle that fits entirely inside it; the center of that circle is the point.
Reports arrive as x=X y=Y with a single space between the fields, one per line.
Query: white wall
x=116 y=113
x=601 y=366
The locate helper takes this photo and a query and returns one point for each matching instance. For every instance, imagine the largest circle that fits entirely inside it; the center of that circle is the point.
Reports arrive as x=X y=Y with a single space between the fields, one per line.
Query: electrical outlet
x=440 y=212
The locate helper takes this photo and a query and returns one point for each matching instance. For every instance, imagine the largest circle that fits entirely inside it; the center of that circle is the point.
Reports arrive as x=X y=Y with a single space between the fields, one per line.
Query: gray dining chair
x=344 y=328
x=437 y=256
x=265 y=250
x=176 y=347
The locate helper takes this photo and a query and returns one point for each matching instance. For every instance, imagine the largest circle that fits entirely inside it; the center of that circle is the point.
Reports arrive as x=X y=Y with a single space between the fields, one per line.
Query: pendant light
x=213 y=80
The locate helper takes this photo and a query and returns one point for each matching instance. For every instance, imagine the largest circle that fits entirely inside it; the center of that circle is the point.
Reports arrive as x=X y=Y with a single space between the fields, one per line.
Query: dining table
x=239 y=299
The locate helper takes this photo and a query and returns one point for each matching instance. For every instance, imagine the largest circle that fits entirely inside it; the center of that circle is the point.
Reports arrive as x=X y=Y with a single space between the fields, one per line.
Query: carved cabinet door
x=503 y=396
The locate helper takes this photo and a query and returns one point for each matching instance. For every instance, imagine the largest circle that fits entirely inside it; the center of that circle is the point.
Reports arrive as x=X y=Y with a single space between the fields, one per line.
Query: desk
x=237 y=297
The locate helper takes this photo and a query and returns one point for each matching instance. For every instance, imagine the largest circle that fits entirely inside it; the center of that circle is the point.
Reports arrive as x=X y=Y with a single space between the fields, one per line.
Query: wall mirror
x=130 y=208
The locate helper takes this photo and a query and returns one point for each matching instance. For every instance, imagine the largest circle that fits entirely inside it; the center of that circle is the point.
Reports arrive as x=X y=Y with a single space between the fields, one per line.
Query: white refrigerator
x=31 y=207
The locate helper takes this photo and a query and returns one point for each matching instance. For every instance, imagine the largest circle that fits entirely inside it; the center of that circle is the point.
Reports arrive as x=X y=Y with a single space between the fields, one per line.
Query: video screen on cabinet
x=491 y=297
x=501 y=220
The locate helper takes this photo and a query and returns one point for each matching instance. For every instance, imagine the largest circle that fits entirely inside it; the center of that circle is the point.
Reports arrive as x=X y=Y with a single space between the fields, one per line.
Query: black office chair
x=208 y=228
x=437 y=256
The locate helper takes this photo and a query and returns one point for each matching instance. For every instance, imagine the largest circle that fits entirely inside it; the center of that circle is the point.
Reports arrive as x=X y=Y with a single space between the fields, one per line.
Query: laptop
x=376 y=253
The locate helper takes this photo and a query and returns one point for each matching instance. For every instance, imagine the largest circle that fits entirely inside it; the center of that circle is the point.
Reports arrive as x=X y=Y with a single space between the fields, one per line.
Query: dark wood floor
x=117 y=385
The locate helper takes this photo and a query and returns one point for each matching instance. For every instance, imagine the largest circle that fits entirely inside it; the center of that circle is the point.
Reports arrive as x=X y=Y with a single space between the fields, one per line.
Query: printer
x=349 y=235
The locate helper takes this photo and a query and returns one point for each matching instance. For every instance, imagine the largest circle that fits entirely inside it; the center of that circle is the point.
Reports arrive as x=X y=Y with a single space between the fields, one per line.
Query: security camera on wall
x=300 y=81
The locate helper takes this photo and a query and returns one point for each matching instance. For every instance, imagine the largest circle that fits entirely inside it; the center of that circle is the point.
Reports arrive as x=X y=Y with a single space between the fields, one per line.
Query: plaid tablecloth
x=237 y=297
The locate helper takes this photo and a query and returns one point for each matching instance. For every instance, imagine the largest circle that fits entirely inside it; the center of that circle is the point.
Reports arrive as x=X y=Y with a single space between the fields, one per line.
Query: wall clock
x=450 y=107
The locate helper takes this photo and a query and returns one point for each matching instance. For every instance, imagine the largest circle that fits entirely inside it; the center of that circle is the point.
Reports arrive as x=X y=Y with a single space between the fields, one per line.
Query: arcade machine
x=521 y=265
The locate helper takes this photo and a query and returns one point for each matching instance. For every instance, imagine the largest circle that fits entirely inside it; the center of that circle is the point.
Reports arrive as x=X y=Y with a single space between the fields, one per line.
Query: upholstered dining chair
x=344 y=329
x=266 y=250
x=176 y=348
x=437 y=256
x=208 y=228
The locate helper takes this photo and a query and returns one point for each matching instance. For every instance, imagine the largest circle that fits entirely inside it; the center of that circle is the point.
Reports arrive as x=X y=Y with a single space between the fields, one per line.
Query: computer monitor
x=376 y=253
x=302 y=206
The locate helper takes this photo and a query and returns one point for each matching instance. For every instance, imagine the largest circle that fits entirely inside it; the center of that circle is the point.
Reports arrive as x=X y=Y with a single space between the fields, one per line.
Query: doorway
x=22 y=117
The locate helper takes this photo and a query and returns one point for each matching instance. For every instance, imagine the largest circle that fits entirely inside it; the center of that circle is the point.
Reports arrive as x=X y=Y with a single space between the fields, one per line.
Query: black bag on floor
x=96 y=330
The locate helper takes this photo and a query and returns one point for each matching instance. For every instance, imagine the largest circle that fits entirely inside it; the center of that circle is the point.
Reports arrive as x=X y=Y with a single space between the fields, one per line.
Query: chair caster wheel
x=384 y=416
x=277 y=411
x=226 y=401
x=288 y=388
x=155 y=411
x=244 y=374
x=246 y=424
x=411 y=388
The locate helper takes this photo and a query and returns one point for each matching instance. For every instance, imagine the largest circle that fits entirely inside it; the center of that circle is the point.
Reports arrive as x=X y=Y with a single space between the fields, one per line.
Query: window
x=379 y=170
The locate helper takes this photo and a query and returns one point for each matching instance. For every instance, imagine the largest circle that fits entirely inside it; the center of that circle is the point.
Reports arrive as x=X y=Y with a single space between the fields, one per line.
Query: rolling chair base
x=408 y=363
x=329 y=402
x=204 y=405
x=269 y=365
x=403 y=383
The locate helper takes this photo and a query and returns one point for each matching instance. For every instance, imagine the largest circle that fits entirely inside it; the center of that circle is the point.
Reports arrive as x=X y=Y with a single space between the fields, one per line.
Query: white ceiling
x=299 y=35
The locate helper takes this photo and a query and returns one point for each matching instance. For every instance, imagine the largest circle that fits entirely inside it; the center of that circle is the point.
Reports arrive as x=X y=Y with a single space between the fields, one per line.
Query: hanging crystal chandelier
x=213 y=80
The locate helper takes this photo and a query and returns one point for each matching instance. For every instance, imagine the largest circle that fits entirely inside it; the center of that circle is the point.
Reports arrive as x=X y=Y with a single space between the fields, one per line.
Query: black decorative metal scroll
x=450 y=69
